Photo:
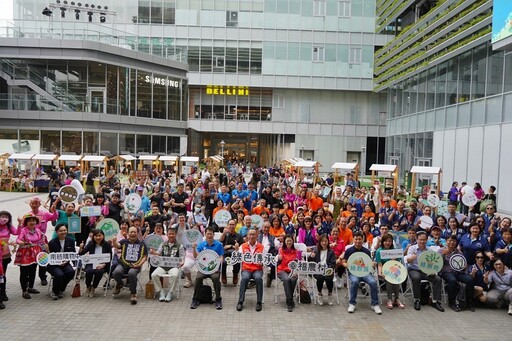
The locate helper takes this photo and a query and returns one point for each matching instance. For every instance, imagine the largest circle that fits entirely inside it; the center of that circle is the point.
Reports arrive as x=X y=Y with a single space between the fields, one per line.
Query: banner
x=96 y=259
x=56 y=258
x=237 y=257
x=90 y=211
x=309 y=268
x=165 y=262
x=392 y=254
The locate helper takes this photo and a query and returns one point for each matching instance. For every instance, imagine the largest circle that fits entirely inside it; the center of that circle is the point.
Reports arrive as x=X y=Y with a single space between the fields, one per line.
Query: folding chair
x=165 y=278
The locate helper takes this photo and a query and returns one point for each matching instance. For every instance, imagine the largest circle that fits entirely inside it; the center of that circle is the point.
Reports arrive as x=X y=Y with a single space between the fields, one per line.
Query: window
x=278 y=101
x=355 y=55
x=231 y=19
x=319 y=7
x=318 y=54
x=156 y=12
x=344 y=7
x=218 y=61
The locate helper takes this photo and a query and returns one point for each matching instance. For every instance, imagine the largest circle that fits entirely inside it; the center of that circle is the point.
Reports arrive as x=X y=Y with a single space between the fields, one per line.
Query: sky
x=6 y=12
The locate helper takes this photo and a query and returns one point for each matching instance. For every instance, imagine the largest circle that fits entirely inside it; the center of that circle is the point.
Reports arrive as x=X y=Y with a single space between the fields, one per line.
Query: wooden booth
x=147 y=160
x=388 y=172
x=213 y=163
x=346 y=168
x=415 y=170
x=306 y=166
x=169 y=162
x=187 y=163
x=42 y=179
x=69 y=160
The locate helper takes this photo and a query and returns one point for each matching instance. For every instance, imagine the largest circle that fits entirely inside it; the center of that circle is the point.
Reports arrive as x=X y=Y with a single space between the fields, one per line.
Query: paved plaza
x=105 y=318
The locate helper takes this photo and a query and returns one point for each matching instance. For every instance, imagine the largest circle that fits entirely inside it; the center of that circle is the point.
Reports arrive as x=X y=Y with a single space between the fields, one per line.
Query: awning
x=20 y=156
x=426 y=170
x=293 y=161
x=94 y=158
x=344 y=165
x=308 y=164
x=189 y=159
x=128 y=157
x=50 y=157
x=168 y=158
x=383 y=168
x=70 y=157
x=148 y=157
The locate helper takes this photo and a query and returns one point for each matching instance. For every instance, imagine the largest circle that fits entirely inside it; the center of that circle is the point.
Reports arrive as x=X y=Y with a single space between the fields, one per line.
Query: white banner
x=392 y=254
x=165 y=262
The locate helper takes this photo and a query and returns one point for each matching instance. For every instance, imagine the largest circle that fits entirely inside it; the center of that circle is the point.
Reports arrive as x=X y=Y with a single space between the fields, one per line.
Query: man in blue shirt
x=208 y=244
x=224 y=195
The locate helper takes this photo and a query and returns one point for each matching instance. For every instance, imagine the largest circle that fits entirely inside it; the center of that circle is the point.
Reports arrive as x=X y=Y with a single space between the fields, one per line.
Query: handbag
x=76 y=290
x=304 y=295
x=150 y=290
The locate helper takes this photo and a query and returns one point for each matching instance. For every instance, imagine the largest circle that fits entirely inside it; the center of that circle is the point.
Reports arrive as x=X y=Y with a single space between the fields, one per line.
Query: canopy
x=70 y=157
x=127 y=157
x=293 y=161
x=94 y=158
x=426 y=170
x=383 y=168
x=20 y=156
x=344 y=165
x=305 y=163
x=168 y=158
x=189 y=159
x=148 y=157
x=50 y=157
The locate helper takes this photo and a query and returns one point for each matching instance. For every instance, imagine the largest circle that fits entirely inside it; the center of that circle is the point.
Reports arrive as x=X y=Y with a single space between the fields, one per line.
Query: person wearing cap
x=31 y=241
x=145 y=203
x=435 y=241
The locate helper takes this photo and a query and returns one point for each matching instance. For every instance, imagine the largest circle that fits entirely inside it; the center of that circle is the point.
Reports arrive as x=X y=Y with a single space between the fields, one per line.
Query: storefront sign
x=227 y=90
x=162 y=81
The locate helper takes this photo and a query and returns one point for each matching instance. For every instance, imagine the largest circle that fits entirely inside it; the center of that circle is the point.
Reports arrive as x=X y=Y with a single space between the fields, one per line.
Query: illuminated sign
x=227 y=90
x=163 y=81
x=501 y=24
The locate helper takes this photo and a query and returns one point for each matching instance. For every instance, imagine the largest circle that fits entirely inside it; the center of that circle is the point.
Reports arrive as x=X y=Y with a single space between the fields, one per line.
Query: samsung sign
x=163 y=81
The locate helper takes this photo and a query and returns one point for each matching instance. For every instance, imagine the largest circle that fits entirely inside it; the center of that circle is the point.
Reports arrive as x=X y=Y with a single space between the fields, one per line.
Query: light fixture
x=65 y=2
x=86 y=5
x=58 y=1
x=47 y=12
x=77 y=14
x=62 y=12
x=99 y=7
x=90 y=16
x=103 y=18
x=92 y=6
x=105 y=8
x=72 y=3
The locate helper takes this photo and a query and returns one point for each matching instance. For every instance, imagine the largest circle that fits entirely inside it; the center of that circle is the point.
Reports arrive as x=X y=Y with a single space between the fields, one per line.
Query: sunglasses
x=353 y=211
x=490 y=208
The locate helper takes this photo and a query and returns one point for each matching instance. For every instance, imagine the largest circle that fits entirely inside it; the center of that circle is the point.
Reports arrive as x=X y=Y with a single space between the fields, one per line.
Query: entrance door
x=353 y=157
x=97 y=100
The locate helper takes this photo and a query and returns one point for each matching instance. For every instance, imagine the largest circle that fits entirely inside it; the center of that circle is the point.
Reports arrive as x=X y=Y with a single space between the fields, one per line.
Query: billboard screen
x=502 y=23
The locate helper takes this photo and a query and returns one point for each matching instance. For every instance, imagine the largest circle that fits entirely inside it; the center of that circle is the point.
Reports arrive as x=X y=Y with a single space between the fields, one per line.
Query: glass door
x=97 y=100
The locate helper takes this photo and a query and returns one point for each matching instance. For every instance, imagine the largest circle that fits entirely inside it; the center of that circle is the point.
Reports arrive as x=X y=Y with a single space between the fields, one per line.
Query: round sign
x=359 y=264
x=433 y=200
x=110 y=227
x=442 y=208
x=458 y=262
x=257 y=221
x=68 y=194
x=189 y=237
x=469 y=199
x=430 y=262
x=208 y=262
x=329 y=272
x=132 y=203
x=394 y=272
x=426 y=222
x=154 y=261
x=222 y=217
x=42 y=259
x=468 y=189
x=153 y=241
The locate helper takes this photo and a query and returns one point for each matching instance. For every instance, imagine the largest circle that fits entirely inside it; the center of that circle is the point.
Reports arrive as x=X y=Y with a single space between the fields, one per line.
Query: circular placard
x=257 y=221
x=458 y=262
x=189 y=237
x=221 y=218
x=68 y=194
x=153 y=241
x=110 y=227
x=154 y=261
x=208 y=262
x=442 y=208
x=394 y=272
x=359 y=264
x=469 y=199
x=430 y=262
x=42 y=259
x=433 y=200
x=426 y=222
x=132 y=203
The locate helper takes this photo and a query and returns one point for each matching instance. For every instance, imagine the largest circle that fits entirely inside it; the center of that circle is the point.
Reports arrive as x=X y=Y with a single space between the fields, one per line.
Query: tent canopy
x=148 y=157
x=128 y=157
x=94 y=158
x=305 y=163
x=344 y=165
x=70 y=157
x=293 y=161
x=20 y=156
x=426 y=170
x=189 y=159
x=50 y=157
x=168 y=158
x=383 y=168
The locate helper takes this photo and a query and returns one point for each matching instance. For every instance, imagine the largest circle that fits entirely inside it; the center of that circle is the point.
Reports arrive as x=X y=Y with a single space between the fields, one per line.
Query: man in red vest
x=251 y=269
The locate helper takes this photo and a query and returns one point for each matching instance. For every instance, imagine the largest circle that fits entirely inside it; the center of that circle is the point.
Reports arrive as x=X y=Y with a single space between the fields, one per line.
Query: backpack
x=205 y=294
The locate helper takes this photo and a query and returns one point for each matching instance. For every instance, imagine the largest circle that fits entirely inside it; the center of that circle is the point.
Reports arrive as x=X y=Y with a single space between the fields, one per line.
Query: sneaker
x=162 y=296
x=320 y=300
x=188 y=283
x=88 y=291
x=33 y=291
x=4 y=298
x=60 y=294
x=194 y=304
x=259 y=306
x=117 y=289
x=330 y=300
x=168 y=298
x=377 y=310
x=289 y=308
x=239 y=306
x=351 y=308
x=53 y=296
x=2 y=306
x=510 y=309
x=92 y=292
x=44 y=282
x=133 y=300
x=218 y=304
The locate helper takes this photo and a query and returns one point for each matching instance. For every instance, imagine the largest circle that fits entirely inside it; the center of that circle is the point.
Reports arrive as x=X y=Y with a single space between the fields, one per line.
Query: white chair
x=166 y=288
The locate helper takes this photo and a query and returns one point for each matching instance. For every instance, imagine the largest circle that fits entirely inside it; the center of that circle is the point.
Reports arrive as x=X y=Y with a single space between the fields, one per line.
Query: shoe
x=2 y=306
x=471 y=308
x=377 y=310
x=239 y=306
x=399 y=304
x=117 y=289
x=26 y=295
x=437 y=306
x=188 y=283
x=338 y=282
x=259 y=306
x=44 y=282
x=454 y=306
x=92 y=292
x=4 y=298
x=510 y=309
x=168 y=298
x=194 y=304
x=269 y=281
x=53 y=296
x=289 y=308
x=33 y=291
x=320 y=300
x=293 y=304
x=330 y=300
x=235 y=279
x=223 y=279
x=351 y=308
x=218 y=304
x=389 y=305
x=417 y=305
x=133 y=300
x=60 y=294
x=162 y=296
x=88 y=291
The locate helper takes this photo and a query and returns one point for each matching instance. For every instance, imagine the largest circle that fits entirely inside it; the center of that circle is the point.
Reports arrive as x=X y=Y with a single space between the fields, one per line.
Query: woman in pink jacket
x=6 y=230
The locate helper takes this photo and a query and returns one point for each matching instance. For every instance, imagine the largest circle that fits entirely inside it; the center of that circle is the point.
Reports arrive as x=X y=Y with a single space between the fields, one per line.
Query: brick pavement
x=101 y=318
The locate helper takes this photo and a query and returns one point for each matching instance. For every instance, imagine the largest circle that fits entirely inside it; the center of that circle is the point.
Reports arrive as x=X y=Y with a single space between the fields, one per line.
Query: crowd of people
x=333 y=218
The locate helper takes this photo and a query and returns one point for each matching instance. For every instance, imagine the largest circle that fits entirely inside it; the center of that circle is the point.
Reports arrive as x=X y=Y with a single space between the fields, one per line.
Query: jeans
x=354 y=286
x=451 y=279
x=417 y=276
x=120 y=271
x=62 y=275
x=258 y=278
x=289 y=283
x=215 y=277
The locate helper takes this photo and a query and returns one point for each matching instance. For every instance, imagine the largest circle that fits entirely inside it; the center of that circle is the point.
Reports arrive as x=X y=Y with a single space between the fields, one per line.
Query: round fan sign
x=458 y=262
x=394 y=272
x=153 y=241
x=208 y=262
x=221 y=218
x=442 y=208
x=42 y=259
x=433 y=200
x=359 y=264
x=469 y=199
x=189 y=237
x=430 y=262
x=257 y=221
x=426 y=222
x=110 y=227
x=133 y=202
x=68 y=194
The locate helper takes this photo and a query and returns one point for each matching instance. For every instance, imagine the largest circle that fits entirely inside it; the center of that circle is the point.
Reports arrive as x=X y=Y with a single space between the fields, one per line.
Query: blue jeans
x=354 y=286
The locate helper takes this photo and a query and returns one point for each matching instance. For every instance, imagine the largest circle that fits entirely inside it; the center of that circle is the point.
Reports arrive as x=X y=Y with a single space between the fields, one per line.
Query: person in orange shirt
x=276 y=228
x=348 y=211
x=286 y=210
x=367 y=233
x=251 y=270
x=368 y=213
x=345 y=232
x=315 y=202
x=220 y=206
x=262 y=207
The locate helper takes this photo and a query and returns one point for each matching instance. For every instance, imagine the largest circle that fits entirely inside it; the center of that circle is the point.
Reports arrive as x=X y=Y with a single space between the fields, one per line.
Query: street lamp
x=363 y=162
x=222 y=144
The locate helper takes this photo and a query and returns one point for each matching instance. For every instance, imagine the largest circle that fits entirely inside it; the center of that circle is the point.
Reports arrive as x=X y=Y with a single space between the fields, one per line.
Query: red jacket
x=251 y=267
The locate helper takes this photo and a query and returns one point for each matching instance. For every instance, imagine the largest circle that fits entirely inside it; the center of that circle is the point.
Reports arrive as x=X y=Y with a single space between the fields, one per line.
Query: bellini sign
x=163 y=81
x=227 y=90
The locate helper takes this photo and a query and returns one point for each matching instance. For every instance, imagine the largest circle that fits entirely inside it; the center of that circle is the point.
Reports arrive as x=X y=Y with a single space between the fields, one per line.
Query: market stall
x=212 y=163
x=390 y=174
x=68 y=160
x=23 y=171
x=168 y=162
x=308 y=167
x=345 y=167
x=187 y=163
x=415 y=170
x=43 y=166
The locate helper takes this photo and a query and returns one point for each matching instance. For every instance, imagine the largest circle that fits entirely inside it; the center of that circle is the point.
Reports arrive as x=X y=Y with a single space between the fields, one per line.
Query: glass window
x=159 y=144
x=318 y=54
x=464 y=77
x=344 y=7
x=495 y=74
x=231 y=19
x=143 y=13
x=169 y=12
x=50 y=141
x=355 y=55
x=256 y=61
x=173 y=145
x=133 y=92
x=451 y=82
x=319 y=7
x=112 y=89
x=91 y=142
x=72 y=142
x=174 y=101
x=160 y=97
x=493 y=110
x=143 y=144
x=96 y=74
x=479 y=70
x=144 y=83
x=422 y=86
x=124 y=93
x=108 y=144
x=230 y=60
x=206 y=58
x=243 y=60
x=508 y=71
x=431 y=89
x=441 y=85
x=127 y=144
